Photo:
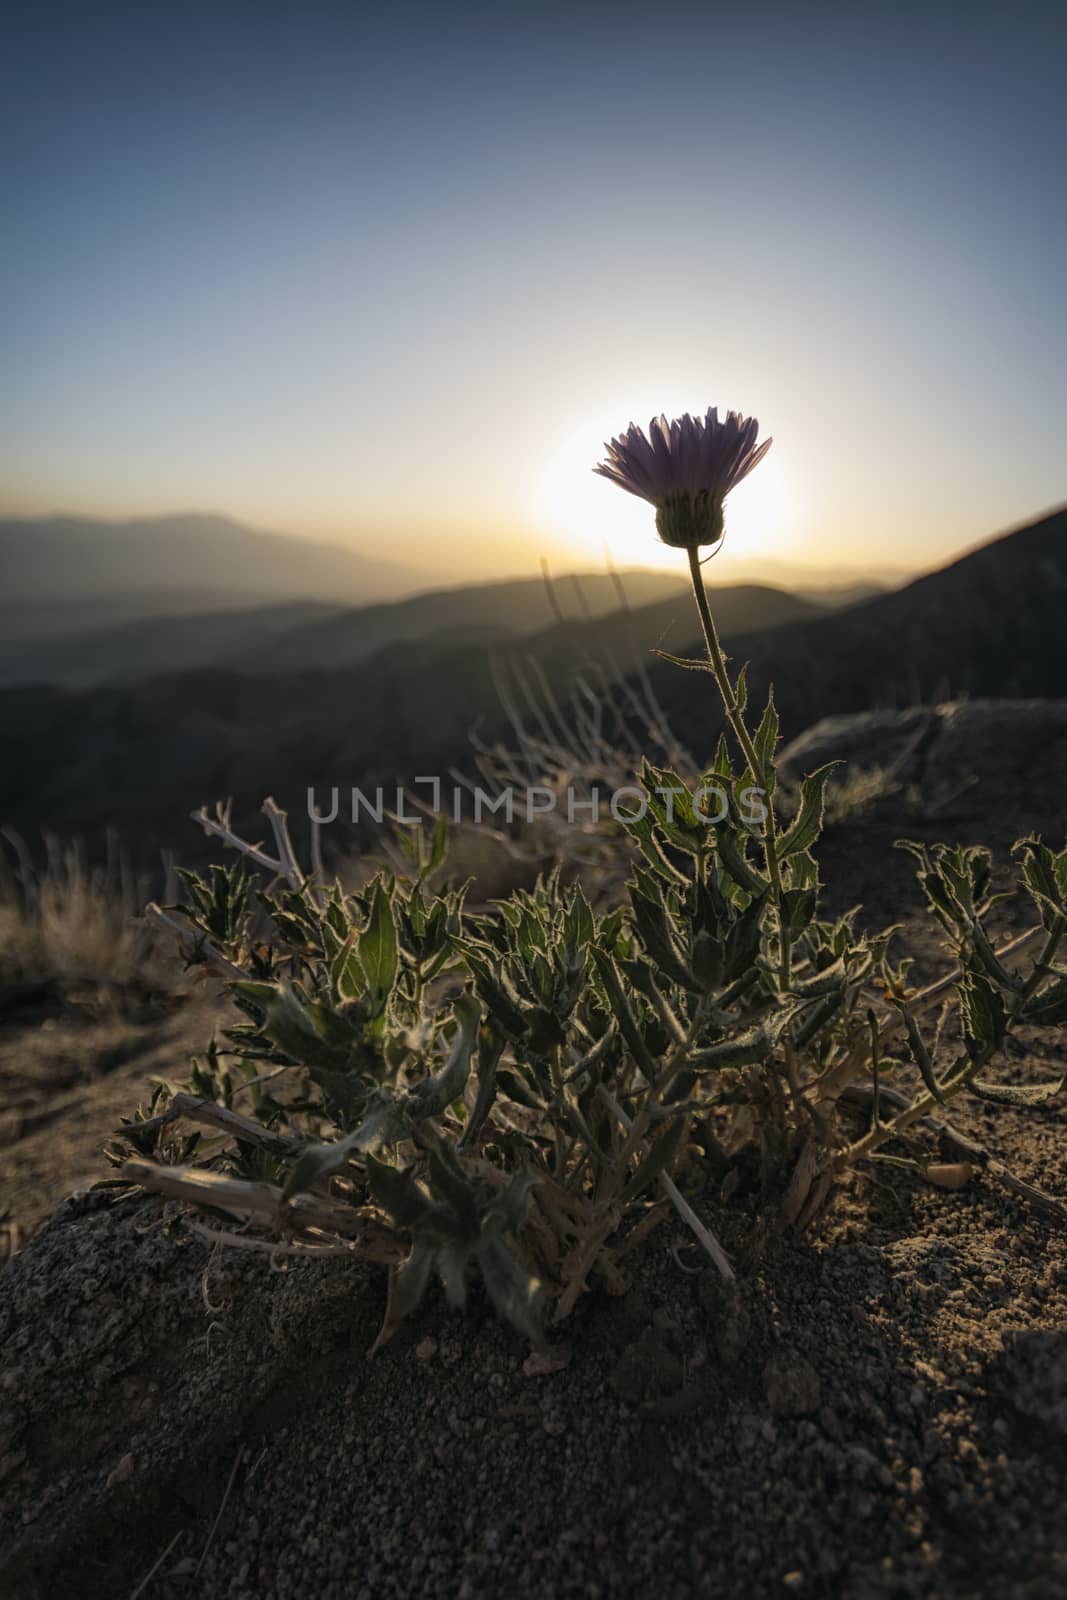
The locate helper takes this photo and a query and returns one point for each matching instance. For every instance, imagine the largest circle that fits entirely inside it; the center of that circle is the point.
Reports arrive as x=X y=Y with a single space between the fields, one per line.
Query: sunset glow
x=574 y=506
x=399 y=281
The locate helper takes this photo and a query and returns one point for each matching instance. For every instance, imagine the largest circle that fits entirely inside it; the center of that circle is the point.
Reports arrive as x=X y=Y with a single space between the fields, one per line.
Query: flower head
x=686 y=468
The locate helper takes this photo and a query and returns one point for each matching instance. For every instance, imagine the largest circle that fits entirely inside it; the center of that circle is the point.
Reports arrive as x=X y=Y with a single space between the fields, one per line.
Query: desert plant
x=514 y=1090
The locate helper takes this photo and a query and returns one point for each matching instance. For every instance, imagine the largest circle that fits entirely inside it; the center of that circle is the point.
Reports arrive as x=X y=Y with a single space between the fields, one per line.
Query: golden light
x=593 y=517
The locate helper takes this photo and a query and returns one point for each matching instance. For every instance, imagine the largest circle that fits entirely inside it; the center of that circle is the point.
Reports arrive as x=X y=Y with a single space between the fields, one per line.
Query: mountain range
x=137 y=756
x=87 y=602
x=155 y=565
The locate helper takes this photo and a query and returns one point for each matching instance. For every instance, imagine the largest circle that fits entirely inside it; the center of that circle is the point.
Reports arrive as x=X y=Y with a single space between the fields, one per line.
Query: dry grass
x=66 y=924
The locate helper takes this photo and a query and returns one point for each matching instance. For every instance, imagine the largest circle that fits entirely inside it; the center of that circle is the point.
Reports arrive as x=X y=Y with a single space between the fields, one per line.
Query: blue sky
x=391 y=278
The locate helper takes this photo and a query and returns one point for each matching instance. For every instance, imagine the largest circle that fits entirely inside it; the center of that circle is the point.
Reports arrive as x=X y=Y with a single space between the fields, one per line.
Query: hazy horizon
x=390 y=282
x=727 y=567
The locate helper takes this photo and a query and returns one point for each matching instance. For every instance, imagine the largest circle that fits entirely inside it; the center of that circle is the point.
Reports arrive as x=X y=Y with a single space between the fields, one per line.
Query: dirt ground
x=878 y=1410
x=70 y=1069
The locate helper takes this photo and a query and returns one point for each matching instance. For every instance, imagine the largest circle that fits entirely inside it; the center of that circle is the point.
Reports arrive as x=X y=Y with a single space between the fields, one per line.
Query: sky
x=391 y=275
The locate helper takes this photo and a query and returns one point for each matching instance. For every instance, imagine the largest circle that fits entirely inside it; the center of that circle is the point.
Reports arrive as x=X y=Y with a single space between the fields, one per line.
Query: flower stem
x=717 y=662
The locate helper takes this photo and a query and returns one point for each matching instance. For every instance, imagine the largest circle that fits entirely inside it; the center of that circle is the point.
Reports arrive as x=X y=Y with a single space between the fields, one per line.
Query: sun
x=593 y=518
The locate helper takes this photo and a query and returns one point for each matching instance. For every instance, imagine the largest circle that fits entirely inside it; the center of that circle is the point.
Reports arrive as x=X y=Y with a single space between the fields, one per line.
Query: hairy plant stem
x=717 y=662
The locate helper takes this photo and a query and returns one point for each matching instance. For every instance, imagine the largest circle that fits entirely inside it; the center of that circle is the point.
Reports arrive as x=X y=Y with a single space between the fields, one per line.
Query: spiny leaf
x=806 y=826
x=765 y=742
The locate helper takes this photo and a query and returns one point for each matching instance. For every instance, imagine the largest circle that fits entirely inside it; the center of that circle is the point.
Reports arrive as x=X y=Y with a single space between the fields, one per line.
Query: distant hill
x=138 y=757
x=992 y=624
x=520 y=606
x=151 y=645
x=27 y=621
x=80 y=559
x=293 y=636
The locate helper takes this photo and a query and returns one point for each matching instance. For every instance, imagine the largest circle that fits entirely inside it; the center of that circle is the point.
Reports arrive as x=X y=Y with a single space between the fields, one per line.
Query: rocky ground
x=878 y=1410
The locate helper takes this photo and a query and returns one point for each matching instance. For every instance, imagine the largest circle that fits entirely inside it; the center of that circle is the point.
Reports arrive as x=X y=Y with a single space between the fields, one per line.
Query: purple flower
x=686 y=468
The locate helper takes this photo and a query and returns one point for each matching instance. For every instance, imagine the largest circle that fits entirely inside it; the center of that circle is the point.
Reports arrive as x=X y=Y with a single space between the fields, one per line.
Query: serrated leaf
x=806 y=826
x=983 y=1013
x=732 y=857
x=766 y=742
x=578 y=923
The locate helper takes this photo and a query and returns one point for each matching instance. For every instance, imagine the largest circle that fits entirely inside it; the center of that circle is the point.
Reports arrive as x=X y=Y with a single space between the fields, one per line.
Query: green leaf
x=449 y=1182
x=818 y=1017
x=378 y=947
x=798 y=908
x=731 y=854
x=609 y=976
x=983 y=1015
x=1045 y=876
x=384 y=1123
x=919 y=1053
x=744 y=939
x=261 y=994
x=806 y=826
x=766 y=742
x=991 y=961
x=490 y=1049
x=431 y=1096
x=578 y=923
